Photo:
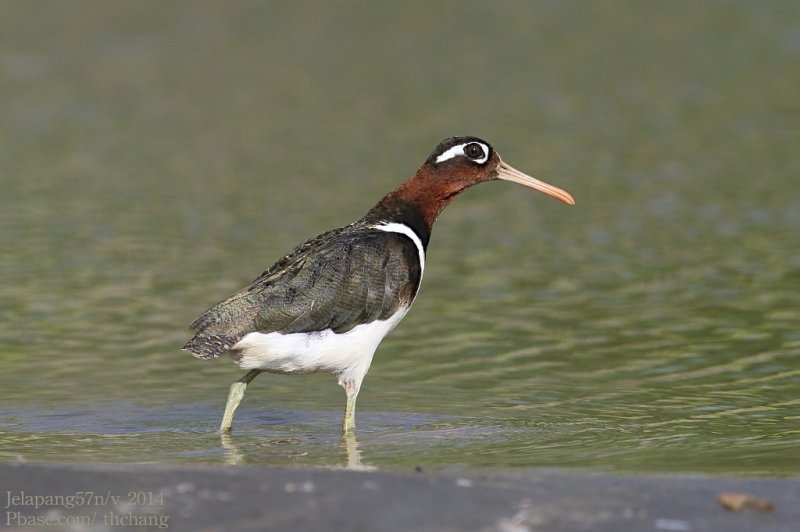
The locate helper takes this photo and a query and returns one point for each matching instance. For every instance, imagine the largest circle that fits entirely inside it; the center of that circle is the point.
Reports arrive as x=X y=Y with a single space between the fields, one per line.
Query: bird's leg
x=349 y=422
x=234 y=398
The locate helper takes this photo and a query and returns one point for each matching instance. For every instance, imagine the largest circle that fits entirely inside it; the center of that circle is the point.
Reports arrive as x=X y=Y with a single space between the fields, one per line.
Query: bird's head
x=460 y=162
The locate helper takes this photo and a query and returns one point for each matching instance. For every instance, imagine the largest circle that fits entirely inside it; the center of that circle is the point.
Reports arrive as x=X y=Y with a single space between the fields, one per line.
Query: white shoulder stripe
x=394 y=227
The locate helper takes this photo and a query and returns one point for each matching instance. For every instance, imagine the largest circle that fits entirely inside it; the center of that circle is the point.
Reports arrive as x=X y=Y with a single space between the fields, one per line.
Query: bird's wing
x=336 y=281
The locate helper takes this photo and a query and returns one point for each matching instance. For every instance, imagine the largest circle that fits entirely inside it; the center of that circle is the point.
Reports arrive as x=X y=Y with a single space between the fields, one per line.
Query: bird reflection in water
x=235 y=455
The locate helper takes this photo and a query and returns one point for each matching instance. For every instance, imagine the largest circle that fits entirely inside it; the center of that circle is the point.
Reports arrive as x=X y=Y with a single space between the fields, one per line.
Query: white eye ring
x=457 y=150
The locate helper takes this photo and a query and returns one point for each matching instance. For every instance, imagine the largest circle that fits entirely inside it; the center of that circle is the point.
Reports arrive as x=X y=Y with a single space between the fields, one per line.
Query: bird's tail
x=209 y=346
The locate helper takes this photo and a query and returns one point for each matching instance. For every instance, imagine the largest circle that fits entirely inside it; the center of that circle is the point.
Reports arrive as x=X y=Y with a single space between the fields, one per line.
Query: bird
x=327 y=304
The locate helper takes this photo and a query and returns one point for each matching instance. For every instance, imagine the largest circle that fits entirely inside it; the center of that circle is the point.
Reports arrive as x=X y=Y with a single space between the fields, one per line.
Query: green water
x=157 y=156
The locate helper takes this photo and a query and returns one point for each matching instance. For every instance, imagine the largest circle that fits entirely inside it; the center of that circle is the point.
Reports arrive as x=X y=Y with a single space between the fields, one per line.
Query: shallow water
x=158 y=156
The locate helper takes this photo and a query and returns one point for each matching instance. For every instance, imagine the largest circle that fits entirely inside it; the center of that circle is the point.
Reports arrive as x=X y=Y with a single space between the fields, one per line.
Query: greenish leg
x=349 y=423
x=234 y=398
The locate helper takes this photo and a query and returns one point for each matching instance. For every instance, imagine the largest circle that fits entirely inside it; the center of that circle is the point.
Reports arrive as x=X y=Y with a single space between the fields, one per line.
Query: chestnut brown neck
x=419 y=200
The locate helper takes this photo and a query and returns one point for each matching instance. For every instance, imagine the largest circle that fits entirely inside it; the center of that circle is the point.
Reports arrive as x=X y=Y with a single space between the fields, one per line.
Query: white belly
x=323 y=351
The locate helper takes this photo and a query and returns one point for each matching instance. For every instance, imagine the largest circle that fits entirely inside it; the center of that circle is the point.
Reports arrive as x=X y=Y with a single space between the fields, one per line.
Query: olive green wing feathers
x=337 y=281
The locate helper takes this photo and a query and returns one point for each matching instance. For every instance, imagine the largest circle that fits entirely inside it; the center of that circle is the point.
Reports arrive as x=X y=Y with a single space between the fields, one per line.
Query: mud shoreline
x=165 y=497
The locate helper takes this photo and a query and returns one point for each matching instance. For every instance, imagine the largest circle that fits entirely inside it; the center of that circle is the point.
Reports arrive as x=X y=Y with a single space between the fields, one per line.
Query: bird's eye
x=474 y=151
